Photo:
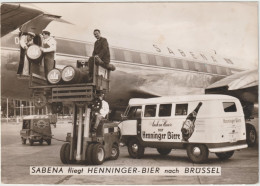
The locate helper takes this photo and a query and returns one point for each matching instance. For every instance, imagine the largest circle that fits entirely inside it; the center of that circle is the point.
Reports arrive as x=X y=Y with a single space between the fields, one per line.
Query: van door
x=133 y=117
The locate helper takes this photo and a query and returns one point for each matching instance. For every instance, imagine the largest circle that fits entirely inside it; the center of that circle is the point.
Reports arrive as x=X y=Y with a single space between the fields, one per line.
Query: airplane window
x=229 y=107
x=136 y=57
x=119 y=55
x=191 y=65
x=165 y=110
x=128 y=56
x=112 y=53
x=166 y=61
x=144 y=59
x=181 y=109
x=150 y=111
x=75 y=48
x=208 y=67
x=178 y=63
x=89 y=49
x=173 y=63
x=214 y=69
x=185 y=65
x=151 y=59
x=159 y=60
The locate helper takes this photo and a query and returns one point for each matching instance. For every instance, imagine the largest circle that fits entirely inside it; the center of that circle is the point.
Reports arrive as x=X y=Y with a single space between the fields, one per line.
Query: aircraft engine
x=71 y=75
x=34 y=54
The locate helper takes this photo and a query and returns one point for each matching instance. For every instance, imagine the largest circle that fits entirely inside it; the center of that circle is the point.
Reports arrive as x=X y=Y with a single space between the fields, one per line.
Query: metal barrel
x=54 y=76
x=72 y=75
x=34 y=54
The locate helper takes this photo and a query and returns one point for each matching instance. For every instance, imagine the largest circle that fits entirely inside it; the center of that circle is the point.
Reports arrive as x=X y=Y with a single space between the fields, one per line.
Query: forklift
x=81 y=145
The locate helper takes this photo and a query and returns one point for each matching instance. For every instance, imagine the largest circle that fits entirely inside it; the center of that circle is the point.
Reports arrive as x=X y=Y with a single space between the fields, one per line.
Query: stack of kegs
x=69 y=75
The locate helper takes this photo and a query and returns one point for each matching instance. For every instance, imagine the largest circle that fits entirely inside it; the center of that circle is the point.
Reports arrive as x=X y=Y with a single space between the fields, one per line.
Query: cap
x=46 y=32
x=31 y=33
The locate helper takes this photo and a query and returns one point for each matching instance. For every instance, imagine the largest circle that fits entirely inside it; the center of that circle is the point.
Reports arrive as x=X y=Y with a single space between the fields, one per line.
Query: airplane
x=139 y=74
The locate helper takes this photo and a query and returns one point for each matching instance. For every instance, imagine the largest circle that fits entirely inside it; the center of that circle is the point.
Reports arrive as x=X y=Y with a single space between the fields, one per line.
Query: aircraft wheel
x=197 y=153
x=135 y=149
x=23 y=140
x=163 y=151
x=98 y=154
x=251 y=136
x=114 y=152
x=88 y=153
x=65 y=154
x=31 y=142
x=225 y=155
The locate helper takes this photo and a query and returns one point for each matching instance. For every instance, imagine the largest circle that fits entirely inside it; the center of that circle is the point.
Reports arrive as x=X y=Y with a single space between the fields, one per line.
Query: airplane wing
x=243 y=85
x=30 y=19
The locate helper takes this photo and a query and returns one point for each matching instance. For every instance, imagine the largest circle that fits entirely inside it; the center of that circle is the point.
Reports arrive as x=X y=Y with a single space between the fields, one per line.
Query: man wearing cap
x=24 y=65
x=101 y=50
x=102 y=112
x=48 y=48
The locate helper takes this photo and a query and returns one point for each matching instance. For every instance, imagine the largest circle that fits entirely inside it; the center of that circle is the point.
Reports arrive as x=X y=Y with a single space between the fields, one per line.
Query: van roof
x=186 y=98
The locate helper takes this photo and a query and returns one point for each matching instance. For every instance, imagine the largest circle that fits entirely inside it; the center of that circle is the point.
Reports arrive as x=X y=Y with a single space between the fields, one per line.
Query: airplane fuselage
x=138 y=74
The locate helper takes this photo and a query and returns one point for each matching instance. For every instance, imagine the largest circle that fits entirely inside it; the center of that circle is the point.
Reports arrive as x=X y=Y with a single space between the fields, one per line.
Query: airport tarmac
x=242 y=168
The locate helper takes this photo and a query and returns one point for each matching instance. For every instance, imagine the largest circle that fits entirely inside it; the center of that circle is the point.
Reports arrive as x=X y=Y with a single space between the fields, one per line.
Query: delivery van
x=198 y=123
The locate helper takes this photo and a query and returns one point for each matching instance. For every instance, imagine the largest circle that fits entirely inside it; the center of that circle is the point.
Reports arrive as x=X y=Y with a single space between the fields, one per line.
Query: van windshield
x=134 y=112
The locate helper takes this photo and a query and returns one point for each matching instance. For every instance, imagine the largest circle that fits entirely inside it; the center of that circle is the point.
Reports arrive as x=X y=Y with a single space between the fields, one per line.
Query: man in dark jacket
x=101 y=51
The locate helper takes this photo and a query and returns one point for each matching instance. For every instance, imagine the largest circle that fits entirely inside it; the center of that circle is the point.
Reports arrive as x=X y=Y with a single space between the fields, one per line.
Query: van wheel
x=48 y=141
x=225 y=155
x=251 y=135
x=23 y=140
x=31 y=142
x=164 y=152
x=65 y=154
x=98 y=154
x=114 y=152
x=197 y=153
x=88 y=153
x=41 y=141
x=135 y=149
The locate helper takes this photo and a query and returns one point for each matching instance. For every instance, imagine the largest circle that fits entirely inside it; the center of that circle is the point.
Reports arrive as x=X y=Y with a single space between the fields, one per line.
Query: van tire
x=23 y=140
x=41 y=141
x=114 y=152
x=48 y=141
x=197 y=153
x=164 y=151
x=135 y=149
x=31 y=142
x=251 y=136
x=225 y=155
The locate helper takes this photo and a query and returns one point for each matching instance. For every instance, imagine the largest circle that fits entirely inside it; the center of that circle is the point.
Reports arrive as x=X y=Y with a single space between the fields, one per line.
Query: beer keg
x=71 y=74
x=34 y=54
x=54 y=76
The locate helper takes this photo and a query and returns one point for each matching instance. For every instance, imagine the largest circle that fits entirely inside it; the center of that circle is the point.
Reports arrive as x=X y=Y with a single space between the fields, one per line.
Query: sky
x=228 y=28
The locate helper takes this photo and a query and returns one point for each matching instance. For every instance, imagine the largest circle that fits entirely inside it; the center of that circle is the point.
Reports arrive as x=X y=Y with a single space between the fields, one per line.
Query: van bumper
x=226 y=149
